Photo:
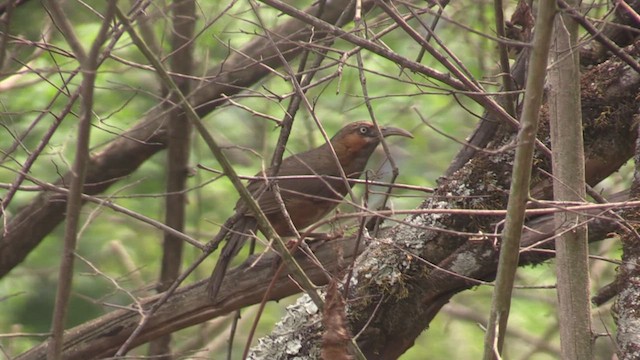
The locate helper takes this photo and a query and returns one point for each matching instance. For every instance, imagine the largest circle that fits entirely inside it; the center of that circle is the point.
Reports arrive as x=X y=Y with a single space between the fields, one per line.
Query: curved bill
x=390 y=131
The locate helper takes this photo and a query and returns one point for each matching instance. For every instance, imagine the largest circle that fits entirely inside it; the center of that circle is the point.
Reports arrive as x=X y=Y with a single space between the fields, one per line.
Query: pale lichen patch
x=291 y=334
x=465 y=263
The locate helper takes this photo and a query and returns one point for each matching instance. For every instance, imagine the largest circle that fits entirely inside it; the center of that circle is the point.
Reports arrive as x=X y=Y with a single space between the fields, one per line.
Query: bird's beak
x=389 y=131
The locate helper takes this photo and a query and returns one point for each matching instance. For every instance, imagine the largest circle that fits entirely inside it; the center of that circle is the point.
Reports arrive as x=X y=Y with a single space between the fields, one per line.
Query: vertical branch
x=507 y=82
x=5 y=24
x=144 y=23
x=177 y=155
x=625 y=308
x=519 y=189
x=89 y=66
x=572 y=250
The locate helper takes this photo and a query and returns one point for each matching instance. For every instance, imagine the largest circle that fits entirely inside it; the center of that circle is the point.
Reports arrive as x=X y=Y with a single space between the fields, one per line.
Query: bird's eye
x=363 y=130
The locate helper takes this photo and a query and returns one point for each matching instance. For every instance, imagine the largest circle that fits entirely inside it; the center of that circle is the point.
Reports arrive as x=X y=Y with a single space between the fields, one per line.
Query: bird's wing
x=292 y=190
x=308 y=190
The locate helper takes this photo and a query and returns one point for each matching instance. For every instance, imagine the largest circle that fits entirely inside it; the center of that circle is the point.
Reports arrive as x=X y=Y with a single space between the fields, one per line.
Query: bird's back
x=310 y=197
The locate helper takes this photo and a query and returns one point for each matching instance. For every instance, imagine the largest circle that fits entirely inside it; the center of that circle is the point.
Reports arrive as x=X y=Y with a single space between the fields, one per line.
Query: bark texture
x=625 y=308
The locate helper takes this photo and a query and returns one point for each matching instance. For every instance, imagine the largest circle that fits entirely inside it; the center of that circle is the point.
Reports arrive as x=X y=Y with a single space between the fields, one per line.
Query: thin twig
x=520 y=183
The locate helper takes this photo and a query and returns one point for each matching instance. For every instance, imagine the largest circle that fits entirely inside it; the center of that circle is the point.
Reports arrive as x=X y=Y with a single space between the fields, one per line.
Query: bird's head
x=356 y=141
x=362 y=134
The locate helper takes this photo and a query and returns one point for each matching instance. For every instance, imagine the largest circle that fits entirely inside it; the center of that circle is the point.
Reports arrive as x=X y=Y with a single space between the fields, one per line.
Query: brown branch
x=89 y=63
x=507 y=82
x=179 y=147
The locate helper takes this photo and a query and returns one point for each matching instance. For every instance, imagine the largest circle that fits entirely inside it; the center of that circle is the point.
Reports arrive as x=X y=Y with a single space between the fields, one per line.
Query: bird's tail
x=241 y=230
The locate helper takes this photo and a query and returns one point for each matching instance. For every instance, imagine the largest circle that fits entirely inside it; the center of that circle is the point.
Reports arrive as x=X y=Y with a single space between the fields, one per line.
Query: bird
x=307 y=199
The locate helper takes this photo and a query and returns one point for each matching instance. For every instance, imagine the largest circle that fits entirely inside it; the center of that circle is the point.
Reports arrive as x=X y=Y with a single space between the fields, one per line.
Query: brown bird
x=307 y=200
